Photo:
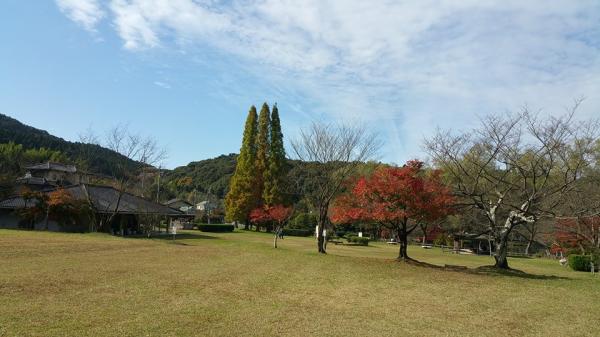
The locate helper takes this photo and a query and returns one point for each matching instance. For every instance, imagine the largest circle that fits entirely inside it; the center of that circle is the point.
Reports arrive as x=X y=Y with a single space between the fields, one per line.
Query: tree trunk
x=501 y=252
x=321 y=238
x=528 y=247
x=321 y=244
x=403 y=241
x=275 y=239
x=247 y=224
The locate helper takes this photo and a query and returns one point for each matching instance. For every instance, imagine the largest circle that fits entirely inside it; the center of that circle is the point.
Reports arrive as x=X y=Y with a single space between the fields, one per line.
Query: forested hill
x=192 y=182
x=37 y=145
x=94 y=158
x=201 y=177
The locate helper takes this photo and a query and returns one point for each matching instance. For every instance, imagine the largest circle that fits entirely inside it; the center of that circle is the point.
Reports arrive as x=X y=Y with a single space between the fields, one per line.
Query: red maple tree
x=277 y=214
x=577 y=232
x=399 y=198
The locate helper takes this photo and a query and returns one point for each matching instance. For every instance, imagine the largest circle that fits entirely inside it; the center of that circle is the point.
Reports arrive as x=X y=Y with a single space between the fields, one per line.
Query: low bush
x=304 y=221
x=297 y=232
x=441 y=240
x=580 y=262
x=218 y=228
x=340 y=234
x=358 y=240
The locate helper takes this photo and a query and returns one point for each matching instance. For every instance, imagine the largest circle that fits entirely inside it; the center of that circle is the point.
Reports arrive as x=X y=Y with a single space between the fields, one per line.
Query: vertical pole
x=158 y=187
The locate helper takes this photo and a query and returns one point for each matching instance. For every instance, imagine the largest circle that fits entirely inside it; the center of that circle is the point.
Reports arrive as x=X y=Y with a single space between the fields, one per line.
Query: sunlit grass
x=235 y=284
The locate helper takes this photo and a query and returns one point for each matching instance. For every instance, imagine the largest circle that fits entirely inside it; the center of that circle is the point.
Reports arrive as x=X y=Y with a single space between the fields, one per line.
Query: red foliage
x=577 y=232
x=392 y=195
x=259 y=215
x=277 y=213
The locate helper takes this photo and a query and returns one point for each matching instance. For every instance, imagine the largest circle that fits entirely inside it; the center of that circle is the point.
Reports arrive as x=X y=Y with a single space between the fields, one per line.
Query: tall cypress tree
x=241 y=198
x=274 y=189
x=262 y=149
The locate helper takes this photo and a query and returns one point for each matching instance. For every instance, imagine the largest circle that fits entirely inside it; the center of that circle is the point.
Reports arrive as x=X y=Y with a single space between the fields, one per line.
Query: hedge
x=219 y=228
x=297 y=232
x=580 y=262
x=358 y=240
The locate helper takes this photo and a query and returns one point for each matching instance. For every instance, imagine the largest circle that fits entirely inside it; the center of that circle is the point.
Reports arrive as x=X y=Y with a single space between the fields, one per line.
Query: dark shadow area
x=485 y=270
x=520 y=257
x=169 y=237
x=352 y=245
x=493 y=271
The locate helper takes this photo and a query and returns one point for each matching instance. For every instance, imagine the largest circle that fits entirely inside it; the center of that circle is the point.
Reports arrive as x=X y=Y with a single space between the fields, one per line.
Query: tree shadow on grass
x=169 y=237
x=486 y=270
x=352 y=245
x=493 y=271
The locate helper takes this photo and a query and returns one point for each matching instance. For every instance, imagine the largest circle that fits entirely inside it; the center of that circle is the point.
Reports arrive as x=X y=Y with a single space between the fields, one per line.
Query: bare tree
x=337 y=150
x=88 y=136
x=139 y=154
x=514 y=169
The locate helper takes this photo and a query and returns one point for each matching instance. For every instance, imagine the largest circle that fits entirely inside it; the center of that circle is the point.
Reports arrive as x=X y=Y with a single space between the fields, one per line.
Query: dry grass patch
x=235 y=284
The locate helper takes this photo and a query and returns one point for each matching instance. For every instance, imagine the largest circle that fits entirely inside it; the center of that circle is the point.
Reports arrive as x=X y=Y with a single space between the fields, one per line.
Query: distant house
x=125 y=209
x=188 y=213
x=181 y=205
x=206 y=206
x=55 y=173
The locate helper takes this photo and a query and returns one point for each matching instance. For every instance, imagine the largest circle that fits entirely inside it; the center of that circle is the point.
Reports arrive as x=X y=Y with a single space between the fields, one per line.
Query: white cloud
x=87 y=13
x=163 y=85
x=405 y=66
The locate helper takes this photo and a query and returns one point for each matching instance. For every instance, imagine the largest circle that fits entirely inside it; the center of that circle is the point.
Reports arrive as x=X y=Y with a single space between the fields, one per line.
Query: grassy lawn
x=234 y=284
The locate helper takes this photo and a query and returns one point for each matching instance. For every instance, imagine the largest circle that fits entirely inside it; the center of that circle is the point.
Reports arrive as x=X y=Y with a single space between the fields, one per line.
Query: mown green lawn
x=236 y=284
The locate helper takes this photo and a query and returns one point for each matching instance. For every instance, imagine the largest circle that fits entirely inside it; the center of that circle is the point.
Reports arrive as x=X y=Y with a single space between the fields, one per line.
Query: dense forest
x=199 y=178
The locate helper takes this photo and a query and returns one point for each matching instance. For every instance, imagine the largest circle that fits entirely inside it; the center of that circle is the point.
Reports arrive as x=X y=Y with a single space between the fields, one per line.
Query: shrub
x=580 y=262
x=304 y=221
x=297 y=232
x=349 y=235
x=340 y=234
x=219 y=228
x=358 y=240
x=362 y=241
x=441 y=240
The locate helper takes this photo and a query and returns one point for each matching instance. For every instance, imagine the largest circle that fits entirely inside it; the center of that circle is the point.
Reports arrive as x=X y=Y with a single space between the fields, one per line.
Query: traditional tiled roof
x=175 y=201
x=52 y=166
x=14 y=203
x=33 y=181
x=105 y=200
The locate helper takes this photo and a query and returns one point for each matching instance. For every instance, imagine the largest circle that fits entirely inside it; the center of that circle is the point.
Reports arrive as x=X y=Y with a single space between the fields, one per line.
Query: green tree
x=241 y=198
x=262 y=150
x=273 y=192
x=11 y=157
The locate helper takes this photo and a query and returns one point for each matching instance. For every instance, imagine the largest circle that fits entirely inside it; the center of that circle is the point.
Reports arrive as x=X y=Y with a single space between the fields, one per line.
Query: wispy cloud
x=162 y=84
x=404 y=66
x=86 y=13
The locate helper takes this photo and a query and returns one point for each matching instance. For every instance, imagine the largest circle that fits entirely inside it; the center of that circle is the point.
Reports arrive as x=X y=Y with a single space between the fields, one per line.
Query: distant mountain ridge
x=201 y=177
x=95 y=156
x=196 y=181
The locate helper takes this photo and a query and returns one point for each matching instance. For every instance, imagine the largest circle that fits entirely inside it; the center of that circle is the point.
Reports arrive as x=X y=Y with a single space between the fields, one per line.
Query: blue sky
x=186 y=71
